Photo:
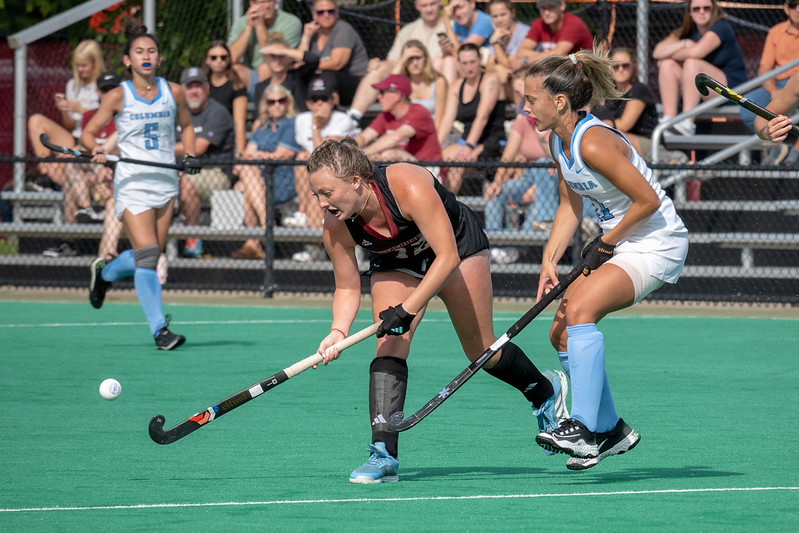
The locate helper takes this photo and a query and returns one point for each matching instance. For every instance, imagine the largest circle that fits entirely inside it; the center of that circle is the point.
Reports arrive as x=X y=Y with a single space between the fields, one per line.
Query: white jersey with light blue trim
x=146 y=130
x=662 y=233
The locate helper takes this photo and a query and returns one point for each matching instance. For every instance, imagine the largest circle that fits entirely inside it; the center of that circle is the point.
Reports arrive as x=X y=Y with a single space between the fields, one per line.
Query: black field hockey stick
x=396 y=423
x=213 y=412
x=705 y=82
x=110 y=157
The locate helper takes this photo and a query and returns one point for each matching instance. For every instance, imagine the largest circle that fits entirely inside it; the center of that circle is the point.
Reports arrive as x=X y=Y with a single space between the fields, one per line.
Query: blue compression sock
x=592 y=401
x=148 y=289
x=122 y=267
x=564 y=362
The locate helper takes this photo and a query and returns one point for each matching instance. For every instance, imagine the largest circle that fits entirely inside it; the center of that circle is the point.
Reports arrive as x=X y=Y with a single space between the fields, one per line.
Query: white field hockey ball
x=110 y=389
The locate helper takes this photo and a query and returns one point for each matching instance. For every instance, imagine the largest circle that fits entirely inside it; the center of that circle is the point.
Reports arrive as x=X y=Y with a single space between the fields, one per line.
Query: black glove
x=596 y=252
x=191 y=165
x=395 y=321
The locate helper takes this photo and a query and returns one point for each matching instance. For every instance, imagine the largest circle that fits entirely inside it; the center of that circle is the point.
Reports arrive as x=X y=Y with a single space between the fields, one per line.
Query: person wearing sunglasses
x=227 y=88
x=249 y=34
x=403 y=130
x=273 y=138
x=329 y=44
x=781 y=47
x=704 y=42
x=635 y=114
x=321 y=121
x=282 y=71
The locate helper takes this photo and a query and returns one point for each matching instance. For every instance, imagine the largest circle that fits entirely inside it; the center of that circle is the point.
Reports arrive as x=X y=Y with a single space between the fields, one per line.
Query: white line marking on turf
x=388 y=500
x=187 y=323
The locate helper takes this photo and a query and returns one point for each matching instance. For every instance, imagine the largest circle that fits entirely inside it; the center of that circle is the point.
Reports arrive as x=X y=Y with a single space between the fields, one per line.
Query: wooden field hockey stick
x=396 y=423
x=110 y=157
x=703 y=82
x=213 y=412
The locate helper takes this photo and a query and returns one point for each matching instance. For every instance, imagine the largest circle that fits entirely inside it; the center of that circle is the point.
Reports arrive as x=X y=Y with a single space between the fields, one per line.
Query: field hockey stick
x=703 y=82
x=110 y=157
x=213 y=412
x=396 y=423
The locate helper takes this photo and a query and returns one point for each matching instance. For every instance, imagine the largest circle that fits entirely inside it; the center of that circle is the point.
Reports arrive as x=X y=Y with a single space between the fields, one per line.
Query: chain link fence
x=742 y=214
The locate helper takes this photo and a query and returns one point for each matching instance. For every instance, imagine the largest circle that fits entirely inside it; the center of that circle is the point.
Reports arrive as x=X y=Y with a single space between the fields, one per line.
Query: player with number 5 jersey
x=423 y=243
x=643 y=243
x=145 y=109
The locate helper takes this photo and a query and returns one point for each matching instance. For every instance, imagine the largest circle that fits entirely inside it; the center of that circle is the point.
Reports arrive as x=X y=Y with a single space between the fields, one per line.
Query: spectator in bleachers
x=329 y=44
x=555 y=32
x=777 y=129
x=87 y=181
x=475 y=102
x=249 y=34
x=781 y=47
x=423 y=30
x=214 y=140
x=505 y=42
x=227 y=88
x=321 y=121
x=465 y=24
x=273 y=138
x=79 y=97
x=282 y=71
x=403 y=131
x=635 y=114
x=705 y=42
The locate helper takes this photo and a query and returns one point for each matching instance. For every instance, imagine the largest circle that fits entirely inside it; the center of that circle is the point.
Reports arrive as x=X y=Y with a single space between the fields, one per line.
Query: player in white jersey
x=643 y=245
x=145 y=110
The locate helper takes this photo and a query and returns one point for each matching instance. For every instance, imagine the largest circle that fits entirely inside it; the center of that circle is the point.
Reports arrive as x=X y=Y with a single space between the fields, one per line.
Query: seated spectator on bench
x=555 y=32
x=705 y=42
x=273 y=138
x=781 y=47
x=465 y=24
x=281 y=69
x=329 y=44
x=635 y=113
x=249 y=34
x=227 y=88
x=475 y=102
x=88 y=181
x=423 y=30
x=403 y=131
x=214 y=141
x=321 y=122
x=508 y=36
x=79 y=97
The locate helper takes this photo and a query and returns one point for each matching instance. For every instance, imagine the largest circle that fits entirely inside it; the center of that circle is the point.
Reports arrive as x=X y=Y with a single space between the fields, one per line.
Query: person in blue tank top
x=422 y=243
x=145 y=110
x=643 y=245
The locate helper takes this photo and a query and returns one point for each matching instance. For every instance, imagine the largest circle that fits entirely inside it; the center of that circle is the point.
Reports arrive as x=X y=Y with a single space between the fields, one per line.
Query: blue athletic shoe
x=380 y=468
x=553 y=411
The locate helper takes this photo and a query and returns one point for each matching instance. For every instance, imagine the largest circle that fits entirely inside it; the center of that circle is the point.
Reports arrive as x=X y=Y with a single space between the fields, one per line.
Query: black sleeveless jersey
x=407 y=249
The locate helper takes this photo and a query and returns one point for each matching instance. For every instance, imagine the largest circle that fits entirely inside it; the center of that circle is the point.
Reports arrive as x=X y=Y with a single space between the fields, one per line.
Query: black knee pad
x=147 y=257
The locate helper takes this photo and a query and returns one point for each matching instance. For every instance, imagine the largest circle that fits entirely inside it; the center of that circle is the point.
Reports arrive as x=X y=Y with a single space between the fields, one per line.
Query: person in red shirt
x=555 y=32
x=403 y=131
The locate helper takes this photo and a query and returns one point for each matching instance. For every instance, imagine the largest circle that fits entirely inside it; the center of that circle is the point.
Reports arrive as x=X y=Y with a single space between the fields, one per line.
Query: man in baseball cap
x=395 y=82
x=107 y=81
x=192 y=74
x=403 y=131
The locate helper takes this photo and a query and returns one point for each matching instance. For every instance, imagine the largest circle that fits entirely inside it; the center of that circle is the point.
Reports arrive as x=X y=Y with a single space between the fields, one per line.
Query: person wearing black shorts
x=422 y=243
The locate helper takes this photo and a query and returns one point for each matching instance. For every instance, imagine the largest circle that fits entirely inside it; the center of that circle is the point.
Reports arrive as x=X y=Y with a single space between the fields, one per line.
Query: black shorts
x=469 y=236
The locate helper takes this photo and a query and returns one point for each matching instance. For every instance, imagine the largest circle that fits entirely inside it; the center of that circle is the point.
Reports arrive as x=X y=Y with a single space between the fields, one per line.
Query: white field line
x=188 y=323
x=392 y=500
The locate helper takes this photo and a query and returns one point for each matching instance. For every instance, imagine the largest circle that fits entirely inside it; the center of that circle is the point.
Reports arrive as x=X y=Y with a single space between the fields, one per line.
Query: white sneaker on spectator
x=504 y=256
x=684 y=127
x=311 y=253
x=297 y=220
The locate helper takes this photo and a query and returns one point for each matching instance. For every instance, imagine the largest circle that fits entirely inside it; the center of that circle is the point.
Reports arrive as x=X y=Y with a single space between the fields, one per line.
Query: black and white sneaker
x=97 y=285
x=87 y=215
x=617 y=441
x=166 y=340
x=570 y=437
x=64 y=249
